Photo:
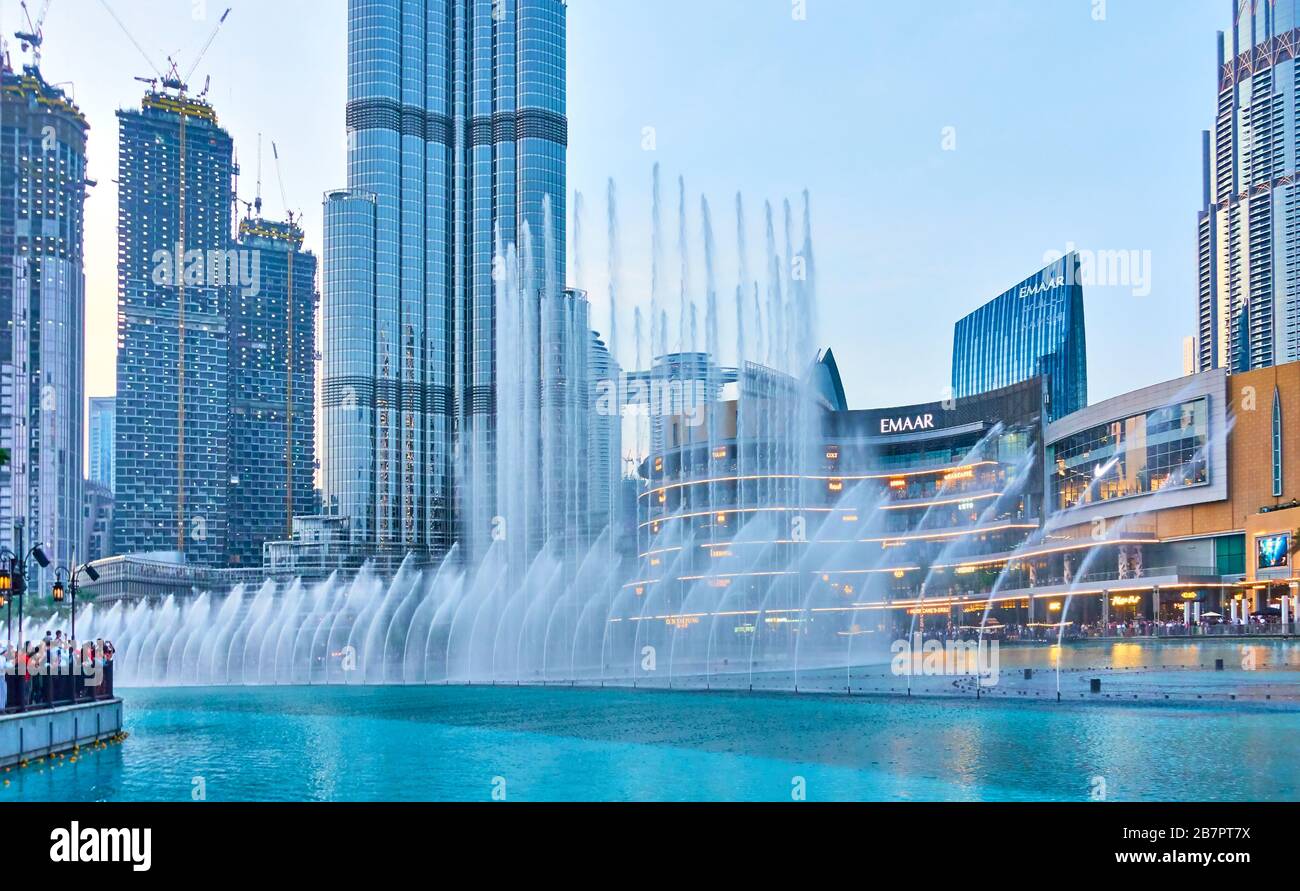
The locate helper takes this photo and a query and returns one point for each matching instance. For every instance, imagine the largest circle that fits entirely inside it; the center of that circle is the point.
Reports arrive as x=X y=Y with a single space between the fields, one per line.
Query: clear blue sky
x=1069 y=130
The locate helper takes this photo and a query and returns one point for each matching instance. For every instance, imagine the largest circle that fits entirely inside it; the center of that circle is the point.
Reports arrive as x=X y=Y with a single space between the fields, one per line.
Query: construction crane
x=172 y=80
x=279 y=175
x=288 y=331
x=34 y=36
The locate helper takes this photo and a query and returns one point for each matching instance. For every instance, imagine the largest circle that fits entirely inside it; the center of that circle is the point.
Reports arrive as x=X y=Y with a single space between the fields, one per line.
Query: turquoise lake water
x=563 y=744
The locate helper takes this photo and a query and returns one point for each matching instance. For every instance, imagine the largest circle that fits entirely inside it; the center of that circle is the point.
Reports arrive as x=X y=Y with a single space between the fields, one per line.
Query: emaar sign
x=906 y=425
x=1044 y=285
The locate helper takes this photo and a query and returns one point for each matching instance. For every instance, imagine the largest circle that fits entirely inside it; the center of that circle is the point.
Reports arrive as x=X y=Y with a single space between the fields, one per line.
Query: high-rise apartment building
x=42 y=300
x=272 y=388
x=1248 y=230
x=456 y=143
x=176 y=271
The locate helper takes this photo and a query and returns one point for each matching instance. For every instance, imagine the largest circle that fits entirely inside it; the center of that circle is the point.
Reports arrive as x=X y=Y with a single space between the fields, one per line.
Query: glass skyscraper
x=456 y=140
x=175 y=188
x=1034 y=329
x=272 y=389
x=42 y=300
x=102 y=422
x=1249 y=225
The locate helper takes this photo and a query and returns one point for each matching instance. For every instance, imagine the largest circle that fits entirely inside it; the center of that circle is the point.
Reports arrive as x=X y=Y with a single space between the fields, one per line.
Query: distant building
x=42 y=305
x=102 y=423
x=272 y=390
x=1248 y=245
x=1189 y=356
x=1036 y=329
x=318 y=546
x=171 y=457
x=98 y=519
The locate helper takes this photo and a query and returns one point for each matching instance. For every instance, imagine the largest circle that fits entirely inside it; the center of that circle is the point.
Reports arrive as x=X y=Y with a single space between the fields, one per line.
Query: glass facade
x=102 y=422
x=42 y=300
x=457 y=142
x=1137 y=455
x=1035 y=329
x=272 y=390
x=175 y=168
x=1249 y=224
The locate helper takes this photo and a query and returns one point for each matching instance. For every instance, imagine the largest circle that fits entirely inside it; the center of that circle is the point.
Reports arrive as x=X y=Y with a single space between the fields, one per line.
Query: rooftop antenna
x=34 y=36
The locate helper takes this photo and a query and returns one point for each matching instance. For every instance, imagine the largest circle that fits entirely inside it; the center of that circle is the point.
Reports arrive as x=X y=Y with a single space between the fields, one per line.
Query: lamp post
x=6 y=591
x=15 y=579
x=59 y=591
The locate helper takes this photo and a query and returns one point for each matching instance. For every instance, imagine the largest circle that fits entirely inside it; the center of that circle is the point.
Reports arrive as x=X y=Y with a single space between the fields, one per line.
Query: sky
x=949 y=150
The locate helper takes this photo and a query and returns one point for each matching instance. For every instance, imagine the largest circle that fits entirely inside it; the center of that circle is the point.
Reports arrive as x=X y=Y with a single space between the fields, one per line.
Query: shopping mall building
x=1175 y=502
x=1178 y=502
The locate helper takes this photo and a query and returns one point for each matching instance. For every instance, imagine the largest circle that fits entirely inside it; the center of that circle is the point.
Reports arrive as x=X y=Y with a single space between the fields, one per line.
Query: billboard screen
x=1273 y=551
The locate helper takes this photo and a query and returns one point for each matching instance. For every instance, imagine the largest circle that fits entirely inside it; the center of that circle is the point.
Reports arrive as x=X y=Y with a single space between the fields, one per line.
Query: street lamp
x=13 y=579
x=70 y=589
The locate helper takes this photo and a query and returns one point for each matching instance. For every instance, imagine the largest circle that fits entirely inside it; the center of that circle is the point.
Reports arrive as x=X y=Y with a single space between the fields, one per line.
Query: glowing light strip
x=746 y=510
x=908 y=505
x=796 y=476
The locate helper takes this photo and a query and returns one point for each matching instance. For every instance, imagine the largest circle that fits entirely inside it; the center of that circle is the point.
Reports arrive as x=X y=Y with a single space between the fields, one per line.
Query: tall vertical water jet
x=579 y=279
x=615 y=261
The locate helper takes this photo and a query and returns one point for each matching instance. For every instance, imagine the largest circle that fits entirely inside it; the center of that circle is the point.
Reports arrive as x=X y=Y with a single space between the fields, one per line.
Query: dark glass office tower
x=457 y=137
x=272 y=388
x=42 y=303
x=1034 y=329
x=175 y=190
x=1248 y=231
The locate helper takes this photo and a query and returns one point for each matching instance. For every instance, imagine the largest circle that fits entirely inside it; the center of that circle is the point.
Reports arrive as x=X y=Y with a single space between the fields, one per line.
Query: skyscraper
x=102 y=423
x=272 y=388
x=42 y=299
x=1034 y=329
x=1248 y=230
x=175 y=273
x=456 y=142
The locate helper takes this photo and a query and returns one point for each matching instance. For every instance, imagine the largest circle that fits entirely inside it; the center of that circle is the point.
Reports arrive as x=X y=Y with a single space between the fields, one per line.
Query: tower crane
x=34 y=36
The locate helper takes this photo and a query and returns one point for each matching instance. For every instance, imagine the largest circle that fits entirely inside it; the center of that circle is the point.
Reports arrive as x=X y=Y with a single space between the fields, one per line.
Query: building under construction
x=175 y=265
x=42 y=297
x=272 y=389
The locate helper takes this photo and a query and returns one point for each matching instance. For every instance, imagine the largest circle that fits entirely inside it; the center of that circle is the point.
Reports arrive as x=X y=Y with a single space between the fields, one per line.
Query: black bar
x=954 y=842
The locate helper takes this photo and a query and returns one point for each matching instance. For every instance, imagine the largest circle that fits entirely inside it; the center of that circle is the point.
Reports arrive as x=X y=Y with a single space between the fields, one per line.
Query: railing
x=49 y=688
x=1149 y=573
x=1147 y=629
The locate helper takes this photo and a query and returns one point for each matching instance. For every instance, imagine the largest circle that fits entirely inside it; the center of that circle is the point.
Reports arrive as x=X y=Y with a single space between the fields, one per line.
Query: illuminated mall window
x=1133 y=456
x=1277 y=444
